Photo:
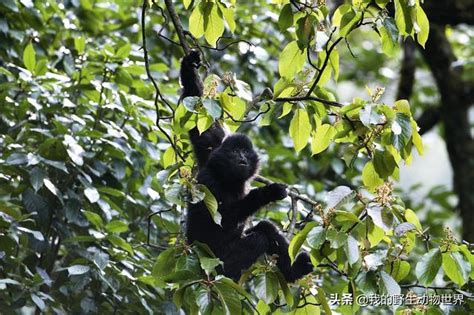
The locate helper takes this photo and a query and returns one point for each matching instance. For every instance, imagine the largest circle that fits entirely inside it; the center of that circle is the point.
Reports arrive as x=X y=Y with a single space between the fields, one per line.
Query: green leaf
x=316 y=237
x=111 y=191
x=229 y=298
x=233 y=105
x=80 y=44
x=469 y=256
x=388 y=285
x=305 y=28
x=369 y=116
x=428 y=266
x=266 y=287
x=17 y=159
x=287 y=107
x=375 y=235
x=191 y=102
x=196 y=21
x=339 y=196
x=76 y=270
x=236 y=287
x=456 y=267
x=93 y=218
x=417 y=141
x=343 y=216
x=348 y=21
x=165 y=263
x=10 y=4
x=424 y=25
x=41 y=67
x=412 y=218
x=334 y=62
x=38 y=301
x=401 y=131
x=116 y=226
x=228 y=14
x=213 y=25
x=339 y=12
x=376 y=259
x=367 y=282
x=403 y=18
x=204 y=122
x=398 y=269
x=337 y=238
x=187 y=3
x=29 y=58
x=300 y=129
x=403 y=228
x=381 y=217
x=291 y=60
x=286 y=290
x=389 y=36
x=285 y=20
x=123 y=51
x=321 y=297
x=352 y=250
x=211 y=204
x=92 y=194
x=37 y=175
x=370 y=177
x=120 y=242
x=209 y=264
x=384 y=163
x=322 y=138
x=169 y=157
x=212 y=107
x=298 y=240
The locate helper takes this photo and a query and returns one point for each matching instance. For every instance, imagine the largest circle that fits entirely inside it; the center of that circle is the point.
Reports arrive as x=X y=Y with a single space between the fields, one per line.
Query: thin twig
x=308 y=98
x=294 y=212
x=416 y=285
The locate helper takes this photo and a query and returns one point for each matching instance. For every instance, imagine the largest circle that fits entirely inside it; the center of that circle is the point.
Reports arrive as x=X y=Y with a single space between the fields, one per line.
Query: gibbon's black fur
x=193 y=86
x=226 y=166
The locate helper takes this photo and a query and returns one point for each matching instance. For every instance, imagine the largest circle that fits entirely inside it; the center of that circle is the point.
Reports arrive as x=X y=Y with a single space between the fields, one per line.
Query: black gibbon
x=226 y=166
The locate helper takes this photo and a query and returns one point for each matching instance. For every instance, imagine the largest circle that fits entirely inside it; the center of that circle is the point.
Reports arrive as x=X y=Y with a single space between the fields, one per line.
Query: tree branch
x=407 y=71
x=177 y=25
x=308 y=98
x=428 y=119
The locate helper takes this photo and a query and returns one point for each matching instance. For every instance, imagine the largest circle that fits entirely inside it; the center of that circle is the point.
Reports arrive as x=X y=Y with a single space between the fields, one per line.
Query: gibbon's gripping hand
x=276 y=191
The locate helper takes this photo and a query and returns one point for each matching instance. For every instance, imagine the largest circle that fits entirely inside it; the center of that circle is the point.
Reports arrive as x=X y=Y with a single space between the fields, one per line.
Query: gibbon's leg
x=244 y=252
x=278 y=244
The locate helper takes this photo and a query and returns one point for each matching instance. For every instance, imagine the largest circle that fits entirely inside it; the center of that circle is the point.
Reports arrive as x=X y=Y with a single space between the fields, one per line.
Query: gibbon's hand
x=277 y=191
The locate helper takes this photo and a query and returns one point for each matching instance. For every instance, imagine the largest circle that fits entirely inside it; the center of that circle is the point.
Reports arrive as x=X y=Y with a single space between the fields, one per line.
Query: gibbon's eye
x=235 y=151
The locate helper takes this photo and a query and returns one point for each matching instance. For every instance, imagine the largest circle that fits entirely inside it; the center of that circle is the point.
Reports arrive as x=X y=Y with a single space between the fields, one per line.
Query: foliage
x=96 y=164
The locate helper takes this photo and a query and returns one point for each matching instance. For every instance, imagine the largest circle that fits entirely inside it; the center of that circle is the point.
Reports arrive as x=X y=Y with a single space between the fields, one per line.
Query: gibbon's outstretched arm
x=192 y=86
x=189 y=75
x=254 y=200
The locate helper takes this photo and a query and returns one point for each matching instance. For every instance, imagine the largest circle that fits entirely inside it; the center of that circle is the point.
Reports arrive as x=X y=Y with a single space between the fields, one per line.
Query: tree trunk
x=455 y=102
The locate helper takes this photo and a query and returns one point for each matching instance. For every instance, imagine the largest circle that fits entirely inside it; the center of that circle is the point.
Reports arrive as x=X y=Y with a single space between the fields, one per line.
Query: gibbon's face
x=235 y=159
